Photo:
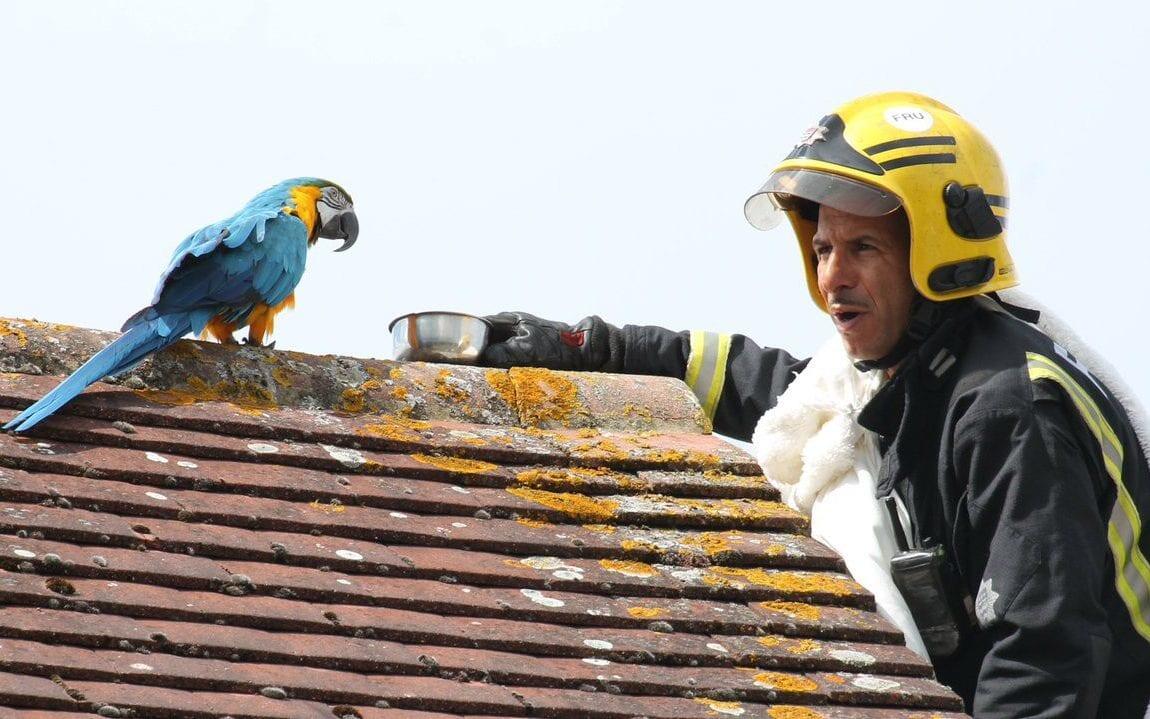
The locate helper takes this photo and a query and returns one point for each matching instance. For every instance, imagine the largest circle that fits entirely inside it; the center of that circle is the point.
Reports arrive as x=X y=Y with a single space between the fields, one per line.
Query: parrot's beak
x=344 y=226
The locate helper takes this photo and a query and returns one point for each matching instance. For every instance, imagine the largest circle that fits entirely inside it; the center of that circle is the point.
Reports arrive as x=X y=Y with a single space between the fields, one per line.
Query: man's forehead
x=838 y=225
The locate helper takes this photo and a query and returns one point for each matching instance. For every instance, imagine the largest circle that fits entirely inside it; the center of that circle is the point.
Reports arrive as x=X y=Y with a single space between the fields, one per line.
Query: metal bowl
x=451 y=337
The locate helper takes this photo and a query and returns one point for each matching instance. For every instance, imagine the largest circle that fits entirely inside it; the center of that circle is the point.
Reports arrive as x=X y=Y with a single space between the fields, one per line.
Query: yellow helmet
x=901 y=149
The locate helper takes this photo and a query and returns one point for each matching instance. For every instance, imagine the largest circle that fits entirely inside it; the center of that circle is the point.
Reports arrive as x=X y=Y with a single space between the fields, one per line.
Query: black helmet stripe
x=910 y=142
x=942 y=158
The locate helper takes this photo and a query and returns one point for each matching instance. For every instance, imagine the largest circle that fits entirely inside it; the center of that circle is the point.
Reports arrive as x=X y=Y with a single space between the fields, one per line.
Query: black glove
x=522 y=340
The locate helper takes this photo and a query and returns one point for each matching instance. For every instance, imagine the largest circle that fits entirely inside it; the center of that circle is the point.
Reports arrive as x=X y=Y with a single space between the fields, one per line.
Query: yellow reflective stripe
x=1131 y=570
x=707 y=368
x=1111 y=448
x=1108 y=432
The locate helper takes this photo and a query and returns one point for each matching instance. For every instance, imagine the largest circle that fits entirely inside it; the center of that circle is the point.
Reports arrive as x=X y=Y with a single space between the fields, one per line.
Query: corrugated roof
x=360 y=538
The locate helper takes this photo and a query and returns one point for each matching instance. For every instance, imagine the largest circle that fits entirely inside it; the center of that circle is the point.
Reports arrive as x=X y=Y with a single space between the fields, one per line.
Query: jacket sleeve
x=1037 y=561
x=735 y=380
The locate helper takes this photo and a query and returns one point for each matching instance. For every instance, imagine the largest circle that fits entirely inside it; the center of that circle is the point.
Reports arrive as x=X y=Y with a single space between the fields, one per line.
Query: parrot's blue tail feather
x=125 y=352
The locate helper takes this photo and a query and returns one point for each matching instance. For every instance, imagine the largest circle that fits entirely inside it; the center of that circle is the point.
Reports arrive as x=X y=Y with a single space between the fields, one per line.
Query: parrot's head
x=324 y=207
x=336 y=216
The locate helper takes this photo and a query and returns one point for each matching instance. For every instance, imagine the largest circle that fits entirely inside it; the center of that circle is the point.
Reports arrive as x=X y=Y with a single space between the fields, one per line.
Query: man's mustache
x=847 y=299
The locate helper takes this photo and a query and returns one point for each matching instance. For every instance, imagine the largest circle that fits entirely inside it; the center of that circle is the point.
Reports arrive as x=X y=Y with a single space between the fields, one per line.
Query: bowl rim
x=410 y=315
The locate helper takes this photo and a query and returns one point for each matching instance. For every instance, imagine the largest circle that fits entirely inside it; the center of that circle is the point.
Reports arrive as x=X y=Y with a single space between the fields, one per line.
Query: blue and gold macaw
x=241 y=272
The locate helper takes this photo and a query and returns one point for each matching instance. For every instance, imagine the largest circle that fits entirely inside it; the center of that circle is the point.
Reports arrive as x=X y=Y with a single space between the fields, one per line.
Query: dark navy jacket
x=1023 y=466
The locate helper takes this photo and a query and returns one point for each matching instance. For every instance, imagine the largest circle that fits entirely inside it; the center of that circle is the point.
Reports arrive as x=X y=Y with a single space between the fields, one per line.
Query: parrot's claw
x=252 y=343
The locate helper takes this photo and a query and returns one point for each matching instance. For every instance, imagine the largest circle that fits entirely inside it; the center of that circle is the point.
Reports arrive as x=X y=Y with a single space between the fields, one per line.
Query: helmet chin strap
x=925 y=316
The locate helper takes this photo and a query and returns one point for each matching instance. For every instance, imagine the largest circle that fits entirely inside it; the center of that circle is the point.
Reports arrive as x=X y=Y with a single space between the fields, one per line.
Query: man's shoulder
x=992 y=367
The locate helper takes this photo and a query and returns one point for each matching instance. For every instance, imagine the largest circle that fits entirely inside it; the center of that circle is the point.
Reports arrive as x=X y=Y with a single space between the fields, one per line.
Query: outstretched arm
x=735 y=380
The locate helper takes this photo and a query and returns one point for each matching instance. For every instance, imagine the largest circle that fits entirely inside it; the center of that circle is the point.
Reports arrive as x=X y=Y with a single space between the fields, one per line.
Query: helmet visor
x=766 y=208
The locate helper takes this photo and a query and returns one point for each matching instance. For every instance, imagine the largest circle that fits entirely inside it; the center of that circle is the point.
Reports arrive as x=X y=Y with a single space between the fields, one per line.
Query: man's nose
x=836 y=271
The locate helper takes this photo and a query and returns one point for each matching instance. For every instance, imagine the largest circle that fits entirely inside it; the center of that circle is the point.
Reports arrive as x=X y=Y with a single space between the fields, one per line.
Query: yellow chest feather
x=304 y=199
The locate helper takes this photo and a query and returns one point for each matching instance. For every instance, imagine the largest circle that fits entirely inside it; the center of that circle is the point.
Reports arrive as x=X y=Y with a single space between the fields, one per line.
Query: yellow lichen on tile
x=445 y=388
x=744 y=509
x=20 y=324
x=628 y=568
x=354 y=400
x=721 y=477
x=577 y=506
x=419 y=425
x=544 y=396
x=533 y=523
x=785 y=712
x=327 y=507
x=711 y=543
x=602 y=448
x=692 y=457
x=703 y=458
x=399 y=393
x=545 y=477
x=703 y=422
x=795 y=610
x=500 y=381
x=394 y=374
x=665 y=456
x=351 y=401
x=17 y=334
x=785 y=682
x=640 y=545
x=804 y=646
x=388 y=430
x=456 y=464
x=721 y=708
x=634 y=410
x=601 y=528
x=534 y=432
x=646 y=612
x=238 y=392
x=770 y=641
x=780 y=581
x=400 y=429
x=566 y=476
x=282 y=377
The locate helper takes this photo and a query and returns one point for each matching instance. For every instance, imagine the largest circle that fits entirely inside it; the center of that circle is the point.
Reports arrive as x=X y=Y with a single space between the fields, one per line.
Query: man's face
x=863 y=266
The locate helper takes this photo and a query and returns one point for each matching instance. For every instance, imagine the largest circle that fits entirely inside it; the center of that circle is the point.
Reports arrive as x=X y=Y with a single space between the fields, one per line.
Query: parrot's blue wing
x=247 y=224
x=257 y=271
x=247 y=227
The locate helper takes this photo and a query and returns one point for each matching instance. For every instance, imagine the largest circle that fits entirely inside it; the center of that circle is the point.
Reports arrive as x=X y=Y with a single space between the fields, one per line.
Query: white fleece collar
x=810 y=438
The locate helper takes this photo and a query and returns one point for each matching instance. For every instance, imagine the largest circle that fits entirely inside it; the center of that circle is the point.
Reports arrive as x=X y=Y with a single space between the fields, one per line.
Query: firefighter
x=1016 y=480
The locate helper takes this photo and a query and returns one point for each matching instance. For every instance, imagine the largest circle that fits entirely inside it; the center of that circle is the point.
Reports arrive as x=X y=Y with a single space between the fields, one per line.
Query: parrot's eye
x=333 y=198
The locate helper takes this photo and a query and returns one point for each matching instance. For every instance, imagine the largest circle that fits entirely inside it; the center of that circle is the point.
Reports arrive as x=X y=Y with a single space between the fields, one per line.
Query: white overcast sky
x=566 y=158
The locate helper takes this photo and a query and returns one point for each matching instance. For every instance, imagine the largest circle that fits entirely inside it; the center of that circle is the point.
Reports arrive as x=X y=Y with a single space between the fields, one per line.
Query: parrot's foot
x=252 y=343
